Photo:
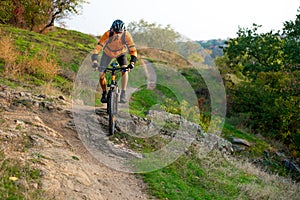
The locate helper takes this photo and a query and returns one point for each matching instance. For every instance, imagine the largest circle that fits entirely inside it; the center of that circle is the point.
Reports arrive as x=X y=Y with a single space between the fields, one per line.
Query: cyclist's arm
x=101 y=42
x=131 y=47
x=99 y=47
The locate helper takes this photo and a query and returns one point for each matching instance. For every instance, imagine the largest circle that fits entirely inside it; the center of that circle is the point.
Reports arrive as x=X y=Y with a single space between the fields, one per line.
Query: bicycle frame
x=112 y=96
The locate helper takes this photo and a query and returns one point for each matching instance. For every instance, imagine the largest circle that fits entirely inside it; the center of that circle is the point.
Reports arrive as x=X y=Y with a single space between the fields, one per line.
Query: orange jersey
x=114 y=46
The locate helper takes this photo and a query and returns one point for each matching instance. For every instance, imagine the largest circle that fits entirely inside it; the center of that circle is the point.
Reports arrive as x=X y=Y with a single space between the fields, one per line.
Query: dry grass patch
x=16 y=63
x=252 y=182
x=9 y=55
x=42 y=66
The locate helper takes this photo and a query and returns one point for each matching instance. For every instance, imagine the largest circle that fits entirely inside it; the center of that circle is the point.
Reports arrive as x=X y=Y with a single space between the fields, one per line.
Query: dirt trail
x=73 y=173
x=150 y=74
x=89 y=176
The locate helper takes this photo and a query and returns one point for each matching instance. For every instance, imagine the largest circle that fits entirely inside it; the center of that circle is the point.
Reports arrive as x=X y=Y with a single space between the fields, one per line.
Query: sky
x=194 y=19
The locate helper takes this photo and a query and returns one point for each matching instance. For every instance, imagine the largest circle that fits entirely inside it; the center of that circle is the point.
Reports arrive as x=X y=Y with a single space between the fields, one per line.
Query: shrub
x=272 y=104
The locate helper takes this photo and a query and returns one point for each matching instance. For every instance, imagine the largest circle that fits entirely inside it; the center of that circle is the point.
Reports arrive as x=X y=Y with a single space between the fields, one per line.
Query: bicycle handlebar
x=116 y=67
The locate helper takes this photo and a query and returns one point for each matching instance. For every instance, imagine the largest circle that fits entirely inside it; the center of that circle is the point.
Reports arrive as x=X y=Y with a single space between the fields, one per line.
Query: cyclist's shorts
x=105 y=60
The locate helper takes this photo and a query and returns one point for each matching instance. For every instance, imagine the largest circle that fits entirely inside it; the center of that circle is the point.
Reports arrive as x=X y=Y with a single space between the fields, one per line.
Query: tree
x=6 y=11
x=268 y=90
x=252 y=53
x=153 y=35
x=61 y=9
x=37 y=15
x=291 y=34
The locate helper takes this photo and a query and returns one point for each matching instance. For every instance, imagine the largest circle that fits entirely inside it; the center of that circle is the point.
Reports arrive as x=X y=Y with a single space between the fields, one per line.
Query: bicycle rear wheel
x=112 y=108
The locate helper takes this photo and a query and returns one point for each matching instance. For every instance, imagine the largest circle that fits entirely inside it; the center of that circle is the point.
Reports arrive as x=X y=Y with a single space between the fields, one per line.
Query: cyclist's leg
x=122 y=60
x=104 y=62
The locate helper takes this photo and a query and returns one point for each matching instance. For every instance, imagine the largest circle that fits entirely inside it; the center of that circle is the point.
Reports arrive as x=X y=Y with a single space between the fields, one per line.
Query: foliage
x=252 y=53
x=291 y=33
x=153 y=35
x=6 y=11
x=267 y=65
x=189 y=177
x=37 y=15
x=8 y=54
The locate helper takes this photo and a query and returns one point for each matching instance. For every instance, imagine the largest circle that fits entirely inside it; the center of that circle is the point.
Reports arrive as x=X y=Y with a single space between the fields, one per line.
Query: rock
x=280 y=154
x=61 y=97
x=19 y=122
x=291 y=166
x=238 y=148
x=22 y=94
x=241 y=142
x=3 y=94
x=42 y=96
x=213 y=141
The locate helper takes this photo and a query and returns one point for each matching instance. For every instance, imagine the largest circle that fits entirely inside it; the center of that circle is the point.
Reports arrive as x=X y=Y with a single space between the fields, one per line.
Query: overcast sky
x=195 y=19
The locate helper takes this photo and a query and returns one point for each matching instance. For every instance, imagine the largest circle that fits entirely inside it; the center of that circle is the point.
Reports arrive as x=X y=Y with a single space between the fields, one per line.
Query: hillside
x=43 y=154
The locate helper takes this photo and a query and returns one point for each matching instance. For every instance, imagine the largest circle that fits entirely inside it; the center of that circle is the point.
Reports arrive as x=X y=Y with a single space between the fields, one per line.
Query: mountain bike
x=113 y=95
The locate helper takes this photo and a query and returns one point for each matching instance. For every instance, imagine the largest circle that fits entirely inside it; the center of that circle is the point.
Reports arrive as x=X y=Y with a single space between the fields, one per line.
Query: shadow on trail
x=92 y=128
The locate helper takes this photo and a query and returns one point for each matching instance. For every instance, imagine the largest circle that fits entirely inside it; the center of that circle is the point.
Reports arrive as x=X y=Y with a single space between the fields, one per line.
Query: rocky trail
x=46 y=130
x=69 y=170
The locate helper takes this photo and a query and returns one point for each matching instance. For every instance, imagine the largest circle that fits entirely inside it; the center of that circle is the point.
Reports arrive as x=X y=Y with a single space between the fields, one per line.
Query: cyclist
x=115 y=43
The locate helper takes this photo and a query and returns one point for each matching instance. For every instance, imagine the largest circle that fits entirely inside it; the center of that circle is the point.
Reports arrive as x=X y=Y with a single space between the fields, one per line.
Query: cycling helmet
x=118 y=25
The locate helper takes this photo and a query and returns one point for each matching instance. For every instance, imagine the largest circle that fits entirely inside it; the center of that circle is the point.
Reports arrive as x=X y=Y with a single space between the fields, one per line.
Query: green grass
x=143 y=100
x=66 y=47
x=8 y=82
x=215 y=177
x=188 y=177
x=193 y=77
x=259 y=150
x=137 y=77
x=12 y=174
x=192 y=178
x=258 y=145
x=143 y=145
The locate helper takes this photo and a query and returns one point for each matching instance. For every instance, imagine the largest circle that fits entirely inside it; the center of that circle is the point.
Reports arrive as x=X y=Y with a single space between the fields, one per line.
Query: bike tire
x=112 y=111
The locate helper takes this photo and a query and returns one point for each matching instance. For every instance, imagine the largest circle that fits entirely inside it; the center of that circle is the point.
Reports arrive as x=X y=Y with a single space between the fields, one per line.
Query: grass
x=19 y=180
x=211 y=177
x=260 y=150
x=67 y=46
x=143 y=100
x=62 y=48
x=258 y=146
x=143 y=145
x=214 y=177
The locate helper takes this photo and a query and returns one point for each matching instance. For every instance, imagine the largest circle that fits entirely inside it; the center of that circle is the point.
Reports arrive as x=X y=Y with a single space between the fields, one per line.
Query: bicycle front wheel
x=112 y=107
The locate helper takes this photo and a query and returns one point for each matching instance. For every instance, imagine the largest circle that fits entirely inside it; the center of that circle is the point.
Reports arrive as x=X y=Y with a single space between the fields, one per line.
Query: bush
x=272 y=103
